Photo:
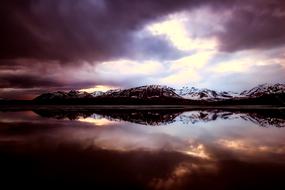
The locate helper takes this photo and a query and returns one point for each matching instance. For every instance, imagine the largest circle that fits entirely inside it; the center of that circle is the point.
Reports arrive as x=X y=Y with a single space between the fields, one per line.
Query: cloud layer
x=60 y=45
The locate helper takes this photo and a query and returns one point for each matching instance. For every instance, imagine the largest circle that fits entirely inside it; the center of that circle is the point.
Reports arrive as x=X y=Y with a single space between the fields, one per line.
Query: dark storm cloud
x=102 y=29
x=25 y=81
x=256 y=24
x=73 y=29
x=38 y=81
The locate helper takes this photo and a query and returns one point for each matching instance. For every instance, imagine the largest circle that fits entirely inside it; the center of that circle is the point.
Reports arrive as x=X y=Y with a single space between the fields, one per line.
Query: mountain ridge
x=159 y=91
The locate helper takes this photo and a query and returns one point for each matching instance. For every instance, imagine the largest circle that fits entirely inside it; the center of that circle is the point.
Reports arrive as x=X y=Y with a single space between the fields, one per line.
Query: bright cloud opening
x=176 y=29
x=102 y=88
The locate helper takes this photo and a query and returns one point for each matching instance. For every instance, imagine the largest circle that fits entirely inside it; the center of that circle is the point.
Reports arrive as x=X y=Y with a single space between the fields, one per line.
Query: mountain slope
x=264 y=89
x=143 y=92
x=59 y=95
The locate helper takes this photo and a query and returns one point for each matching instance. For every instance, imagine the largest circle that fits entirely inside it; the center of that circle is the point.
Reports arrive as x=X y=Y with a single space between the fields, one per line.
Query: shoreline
x=4 y=108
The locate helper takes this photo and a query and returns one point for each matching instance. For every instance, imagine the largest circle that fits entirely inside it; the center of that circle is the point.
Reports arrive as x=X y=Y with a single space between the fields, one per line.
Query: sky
x=51 y=45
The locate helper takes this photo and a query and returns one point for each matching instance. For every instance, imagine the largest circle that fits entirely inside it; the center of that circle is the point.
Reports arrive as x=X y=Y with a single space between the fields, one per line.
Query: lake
x=143 y=149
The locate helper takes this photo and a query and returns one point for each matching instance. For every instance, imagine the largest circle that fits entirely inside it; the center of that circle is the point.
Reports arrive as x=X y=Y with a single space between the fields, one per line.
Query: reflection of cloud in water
x=97 y=120
x=199 y=142
x=165 y=157
x=197 y=150
x=245 y=148
x=182 y=173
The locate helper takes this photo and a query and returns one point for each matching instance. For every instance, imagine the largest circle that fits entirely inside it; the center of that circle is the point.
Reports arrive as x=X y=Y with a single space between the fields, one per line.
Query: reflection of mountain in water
x=193 y=117
x=264 y=118
x=144 y=117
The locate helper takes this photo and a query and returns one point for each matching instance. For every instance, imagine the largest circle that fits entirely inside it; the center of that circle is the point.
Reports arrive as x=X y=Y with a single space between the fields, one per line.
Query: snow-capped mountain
x=142 y=92
x=211 y=95
x=109 y=92
x=205 y=94
x=264 y=89
x=159 y=91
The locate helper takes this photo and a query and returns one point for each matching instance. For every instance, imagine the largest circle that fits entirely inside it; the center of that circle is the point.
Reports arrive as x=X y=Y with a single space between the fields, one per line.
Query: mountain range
x=154 y=92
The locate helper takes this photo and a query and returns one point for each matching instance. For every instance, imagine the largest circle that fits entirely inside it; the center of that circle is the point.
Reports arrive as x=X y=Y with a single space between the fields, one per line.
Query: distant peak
x=266 y=88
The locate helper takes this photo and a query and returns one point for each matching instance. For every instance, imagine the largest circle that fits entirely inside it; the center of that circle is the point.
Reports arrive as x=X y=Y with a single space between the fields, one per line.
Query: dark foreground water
x=209 y=149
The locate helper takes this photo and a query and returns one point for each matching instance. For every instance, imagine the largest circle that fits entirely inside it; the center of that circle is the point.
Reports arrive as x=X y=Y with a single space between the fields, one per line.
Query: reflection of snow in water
x=194 y=117
x=189 y=118
x=185 y=118
x=216 y=136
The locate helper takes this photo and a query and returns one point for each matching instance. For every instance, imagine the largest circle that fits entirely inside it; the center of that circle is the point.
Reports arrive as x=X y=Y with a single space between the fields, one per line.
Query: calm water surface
x=210 y=149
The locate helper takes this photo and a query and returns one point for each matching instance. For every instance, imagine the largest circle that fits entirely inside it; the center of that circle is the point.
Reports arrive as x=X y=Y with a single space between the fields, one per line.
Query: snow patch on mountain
x=97 y=93
x=205 y=94
x=264 y=89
